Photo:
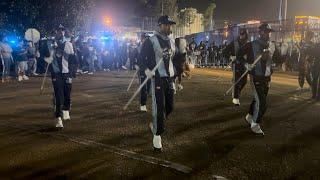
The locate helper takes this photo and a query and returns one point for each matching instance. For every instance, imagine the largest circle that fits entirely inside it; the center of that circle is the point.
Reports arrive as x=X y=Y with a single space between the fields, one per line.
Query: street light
x=107 y=21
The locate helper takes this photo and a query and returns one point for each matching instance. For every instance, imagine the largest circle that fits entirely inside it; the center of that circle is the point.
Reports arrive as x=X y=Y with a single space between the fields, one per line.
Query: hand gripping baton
x=253 y=64
x=141 y=86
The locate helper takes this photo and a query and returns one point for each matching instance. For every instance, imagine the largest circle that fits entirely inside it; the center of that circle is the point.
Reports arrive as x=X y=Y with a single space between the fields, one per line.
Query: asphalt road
x=206 y=135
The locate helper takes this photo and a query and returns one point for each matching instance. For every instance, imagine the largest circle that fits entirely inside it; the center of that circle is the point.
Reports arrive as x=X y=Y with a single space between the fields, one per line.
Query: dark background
x=234 y=10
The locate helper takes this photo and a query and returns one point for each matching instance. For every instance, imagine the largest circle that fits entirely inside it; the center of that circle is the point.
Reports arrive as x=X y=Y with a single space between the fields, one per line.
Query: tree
x=208 y=16
x=148 y=11
x=153 y=8
x=169 y=7
x=187 y=16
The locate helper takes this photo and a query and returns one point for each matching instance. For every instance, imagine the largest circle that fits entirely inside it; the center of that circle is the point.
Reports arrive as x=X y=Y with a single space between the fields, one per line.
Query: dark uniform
x=315 y=70
x=179 y=60
x=260 y=75
x=142 y=76
x=313 y=53
x=62 y=80
x=238 y=65
x=162 y=85
x=158 y=51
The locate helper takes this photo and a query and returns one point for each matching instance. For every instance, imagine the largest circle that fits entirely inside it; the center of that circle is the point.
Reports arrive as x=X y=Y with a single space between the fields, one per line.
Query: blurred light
x=307 y=17
x=12 y=40
x=107 y=21
x=253 y=22
x=105 y=38
x=226 y=34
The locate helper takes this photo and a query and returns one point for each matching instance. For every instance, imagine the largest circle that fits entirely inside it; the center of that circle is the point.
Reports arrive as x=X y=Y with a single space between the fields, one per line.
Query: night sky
x=234 y=10
x=242 y=10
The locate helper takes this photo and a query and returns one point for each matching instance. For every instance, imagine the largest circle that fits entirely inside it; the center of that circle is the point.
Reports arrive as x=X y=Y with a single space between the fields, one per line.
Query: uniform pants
x=162 y=102
x=62 y=85
x=145 y=89
x=238 y=70
x=133 y=62
x=259 y=103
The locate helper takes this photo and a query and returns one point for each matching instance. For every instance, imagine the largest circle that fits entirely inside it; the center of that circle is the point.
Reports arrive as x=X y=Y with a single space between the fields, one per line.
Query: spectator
x=6 y=59
x=79 y=52
x=88 y=54
x=22 y=61
x=133 y=55
x=32 y=60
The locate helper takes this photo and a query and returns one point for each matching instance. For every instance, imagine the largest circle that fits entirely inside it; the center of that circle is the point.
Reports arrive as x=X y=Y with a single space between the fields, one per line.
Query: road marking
x=215 y=177
x=7 y=97
x=114 y=150
x=87 y=95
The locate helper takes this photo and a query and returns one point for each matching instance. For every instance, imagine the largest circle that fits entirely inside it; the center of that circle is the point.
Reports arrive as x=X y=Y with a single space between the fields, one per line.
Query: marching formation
x=160 y=63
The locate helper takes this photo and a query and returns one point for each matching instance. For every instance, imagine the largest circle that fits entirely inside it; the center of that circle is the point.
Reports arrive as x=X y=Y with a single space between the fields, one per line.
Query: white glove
x=48 y=59
x=149 y=73
x=136 y=67
x=267 y=50
x=233 y=58
x=38 y=54
x=249 y=67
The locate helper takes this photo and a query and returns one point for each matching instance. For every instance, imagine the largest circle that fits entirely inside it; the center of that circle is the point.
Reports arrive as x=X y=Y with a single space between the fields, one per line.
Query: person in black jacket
x=142 y=76
x=311 y=51
x=315 y=71
x=156 y=54
x=231 y=51
x=304 y=65
x=260 y=73
x=179 y=60
x=61 y=76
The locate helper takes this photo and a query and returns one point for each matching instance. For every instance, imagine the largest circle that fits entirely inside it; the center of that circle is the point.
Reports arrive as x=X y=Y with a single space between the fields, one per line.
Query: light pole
x=283 y=13
x=280 y=10
x=162 y=8
x=283 y=10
